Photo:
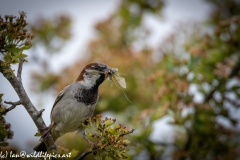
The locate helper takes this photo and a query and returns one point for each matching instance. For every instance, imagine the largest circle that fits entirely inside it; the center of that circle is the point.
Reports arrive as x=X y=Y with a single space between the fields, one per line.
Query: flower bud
x=109 y=122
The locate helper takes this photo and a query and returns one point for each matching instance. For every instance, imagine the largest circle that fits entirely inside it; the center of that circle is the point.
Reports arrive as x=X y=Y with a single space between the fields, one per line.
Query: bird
x=76 y=102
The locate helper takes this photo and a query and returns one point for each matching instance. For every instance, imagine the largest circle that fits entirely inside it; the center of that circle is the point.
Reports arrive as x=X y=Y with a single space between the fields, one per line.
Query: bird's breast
x=86 y=96
x=71 y=117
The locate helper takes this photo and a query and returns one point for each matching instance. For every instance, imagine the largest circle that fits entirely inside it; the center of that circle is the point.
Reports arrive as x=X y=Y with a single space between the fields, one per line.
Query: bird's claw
x=47 y=131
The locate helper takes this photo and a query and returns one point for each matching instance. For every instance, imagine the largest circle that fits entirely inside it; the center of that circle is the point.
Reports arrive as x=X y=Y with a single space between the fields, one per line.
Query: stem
x=14 y=104
x=19 y=72
x=84 y=155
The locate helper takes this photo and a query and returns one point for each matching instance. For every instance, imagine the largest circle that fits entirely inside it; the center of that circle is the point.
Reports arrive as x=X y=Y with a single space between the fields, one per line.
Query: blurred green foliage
x=160 y=81
x=5 y=128
x=52 y=33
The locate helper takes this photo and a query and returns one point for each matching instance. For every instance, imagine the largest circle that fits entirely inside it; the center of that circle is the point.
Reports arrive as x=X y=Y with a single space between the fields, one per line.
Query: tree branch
x=40 y=112
x=84 y=155
x=25 y=101
x=14 y=104
x=19 y=72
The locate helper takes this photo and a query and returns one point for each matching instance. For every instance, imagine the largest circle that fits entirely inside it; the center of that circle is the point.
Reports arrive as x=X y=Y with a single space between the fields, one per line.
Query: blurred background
x=182 y=61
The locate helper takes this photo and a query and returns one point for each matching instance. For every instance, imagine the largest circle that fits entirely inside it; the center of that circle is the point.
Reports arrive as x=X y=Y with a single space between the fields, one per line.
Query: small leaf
x=26 y=47
x=2 y=109
x=109 y=122
x=23 y=55
x=37 y=134
x=8 y=57
x=1 y=95
x=13 y=49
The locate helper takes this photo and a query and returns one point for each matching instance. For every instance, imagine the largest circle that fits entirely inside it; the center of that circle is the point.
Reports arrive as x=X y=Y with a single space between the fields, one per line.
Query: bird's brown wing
x=59 y=97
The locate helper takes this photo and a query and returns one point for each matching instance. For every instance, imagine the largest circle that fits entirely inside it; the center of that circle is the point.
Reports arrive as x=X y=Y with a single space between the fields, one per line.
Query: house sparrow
x=76 y=102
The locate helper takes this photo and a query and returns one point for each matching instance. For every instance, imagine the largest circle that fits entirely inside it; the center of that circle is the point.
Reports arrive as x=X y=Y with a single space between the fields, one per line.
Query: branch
x=40 y=112
x=84 y=155
x=25 y=101
x=19 y=72
x=14 y=104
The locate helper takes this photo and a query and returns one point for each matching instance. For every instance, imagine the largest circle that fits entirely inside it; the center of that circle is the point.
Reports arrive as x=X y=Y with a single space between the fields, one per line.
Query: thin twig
x=84 y=155
x=19 y=72
x=40 y=112
x=14 y=104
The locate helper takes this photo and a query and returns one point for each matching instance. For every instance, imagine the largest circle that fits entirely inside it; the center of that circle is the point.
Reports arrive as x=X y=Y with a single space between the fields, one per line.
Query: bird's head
x=93 y=74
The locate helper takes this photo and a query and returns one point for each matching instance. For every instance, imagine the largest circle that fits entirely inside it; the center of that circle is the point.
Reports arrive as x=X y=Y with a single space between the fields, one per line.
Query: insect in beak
x=114 y=77
x=108 y=72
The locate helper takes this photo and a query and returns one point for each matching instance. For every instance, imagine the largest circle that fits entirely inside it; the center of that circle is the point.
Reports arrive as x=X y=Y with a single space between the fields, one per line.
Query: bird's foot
x=47 y=131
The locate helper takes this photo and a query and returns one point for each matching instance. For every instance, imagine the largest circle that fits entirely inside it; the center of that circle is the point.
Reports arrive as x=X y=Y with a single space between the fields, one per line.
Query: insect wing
x=120 y=80
x=110 y=79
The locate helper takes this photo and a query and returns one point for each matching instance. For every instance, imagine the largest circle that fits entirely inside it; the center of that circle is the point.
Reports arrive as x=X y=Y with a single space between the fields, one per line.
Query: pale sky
x=84 y=14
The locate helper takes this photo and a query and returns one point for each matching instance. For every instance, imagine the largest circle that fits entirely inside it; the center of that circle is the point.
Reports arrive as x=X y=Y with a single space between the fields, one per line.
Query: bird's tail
x=40 y=147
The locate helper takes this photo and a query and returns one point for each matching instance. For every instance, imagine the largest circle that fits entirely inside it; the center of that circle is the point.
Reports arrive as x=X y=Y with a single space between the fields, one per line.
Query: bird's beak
x=108 y=71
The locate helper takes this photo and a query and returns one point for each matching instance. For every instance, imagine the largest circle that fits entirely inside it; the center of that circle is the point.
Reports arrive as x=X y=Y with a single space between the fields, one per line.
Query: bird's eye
x=86 y=73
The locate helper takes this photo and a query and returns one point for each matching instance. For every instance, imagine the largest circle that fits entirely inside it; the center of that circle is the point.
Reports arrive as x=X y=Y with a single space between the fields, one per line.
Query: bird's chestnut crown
x=93 y=74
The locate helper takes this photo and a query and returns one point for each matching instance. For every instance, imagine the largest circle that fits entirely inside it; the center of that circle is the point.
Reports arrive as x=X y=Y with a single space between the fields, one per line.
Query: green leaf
x=13 y=49
x=1 y=95
x=23 y=55
x=26 y=47
x=37 y=134
x=8 y=57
